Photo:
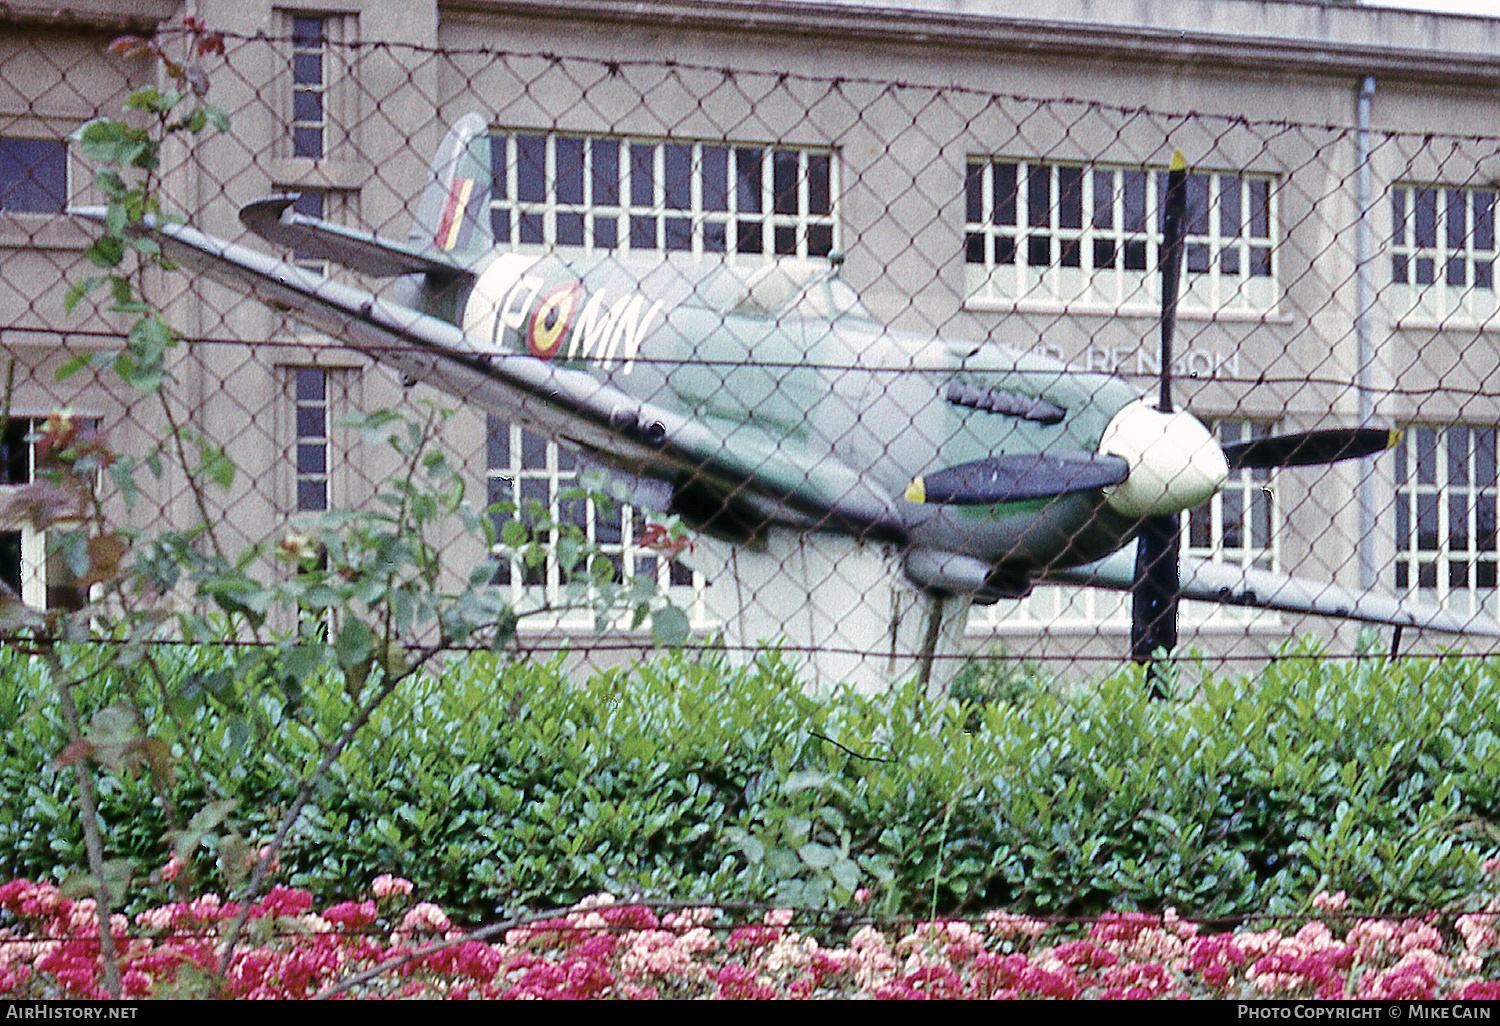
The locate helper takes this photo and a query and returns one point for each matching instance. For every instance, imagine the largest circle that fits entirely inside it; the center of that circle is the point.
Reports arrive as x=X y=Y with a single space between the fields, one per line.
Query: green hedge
x=493 y=786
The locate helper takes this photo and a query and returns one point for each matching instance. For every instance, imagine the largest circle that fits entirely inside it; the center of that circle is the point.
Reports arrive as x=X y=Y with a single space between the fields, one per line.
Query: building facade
x=991 y=170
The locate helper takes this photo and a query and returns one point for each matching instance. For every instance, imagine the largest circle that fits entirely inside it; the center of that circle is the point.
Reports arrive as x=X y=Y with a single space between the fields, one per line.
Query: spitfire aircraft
x=742 y=398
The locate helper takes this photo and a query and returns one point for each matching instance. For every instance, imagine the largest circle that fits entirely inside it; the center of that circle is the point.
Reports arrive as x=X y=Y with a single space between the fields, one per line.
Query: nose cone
x=1174 y=462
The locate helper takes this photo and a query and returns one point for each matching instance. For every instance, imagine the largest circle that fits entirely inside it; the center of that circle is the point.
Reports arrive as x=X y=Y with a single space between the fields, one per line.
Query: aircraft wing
x=1205 y=581
x=637 y=436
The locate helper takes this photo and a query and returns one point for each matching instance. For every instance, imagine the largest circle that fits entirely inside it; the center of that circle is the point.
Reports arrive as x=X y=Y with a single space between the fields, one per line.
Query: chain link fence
x=943 y=213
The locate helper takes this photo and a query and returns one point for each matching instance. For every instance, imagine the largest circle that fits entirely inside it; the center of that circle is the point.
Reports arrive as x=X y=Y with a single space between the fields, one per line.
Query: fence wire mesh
x=960 y=217
x=781 y=307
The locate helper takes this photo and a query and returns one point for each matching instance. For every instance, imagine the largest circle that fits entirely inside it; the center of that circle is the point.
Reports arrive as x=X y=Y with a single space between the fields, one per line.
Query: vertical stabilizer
x=454 y=212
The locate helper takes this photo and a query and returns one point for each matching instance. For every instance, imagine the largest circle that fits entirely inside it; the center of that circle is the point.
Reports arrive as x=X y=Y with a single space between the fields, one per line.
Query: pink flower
x=388 y=886
x=425 y=916
x=1332 y=903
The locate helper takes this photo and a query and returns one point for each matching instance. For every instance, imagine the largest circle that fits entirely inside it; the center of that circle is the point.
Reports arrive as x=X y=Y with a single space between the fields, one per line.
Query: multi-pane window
x=310 y=404
x=309 y=114
x=1239 y=526
x=33 y=175
x=541 y=479
x=1092 y=235
x=1442 y=247
x=1445 y=515
x=611 y=193
x=39 y=577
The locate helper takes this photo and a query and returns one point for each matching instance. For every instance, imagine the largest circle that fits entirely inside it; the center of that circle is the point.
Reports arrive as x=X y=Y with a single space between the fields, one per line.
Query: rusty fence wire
x=834 y=280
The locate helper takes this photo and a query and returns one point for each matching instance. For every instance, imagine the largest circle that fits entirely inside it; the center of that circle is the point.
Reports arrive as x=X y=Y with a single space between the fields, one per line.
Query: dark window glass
x=1039 y=197
x=533 y=452
x=1403 y=525
x=679 y=234
x=1229 y=207
x=974 y=193
x=1260 y=262
x=312 y=459
x=312 y=384
x=1454 y=273
x=605 y=231
x=1458 y=523
x=1427 y=523
x=307 y=32
x=531 y=230
x=1104 y=199
x=786 y=240
x=1426 y=455
x=500 y=224
x=1426 y=218
x=748 y=237
x=569 y=228
x=499 y=186
x=715 y=237
x=642 y=232
x=312 y=494
x=1484 y=274
x=1104 y=253
x=1039 y=251
x=819 y=184
x=1400 y=269
x=1260 y=208
x=1458 y=456
x=307 y=69
x=1070 y=197
x=1135 y=204
x=1135 y=256
x=1426 y=270
x=1005 y=250
x=642 y=175
x=819 y=240
x=715 y=178
x=1457 y=227
x=1229 y=261
x=1004 y=211
x=311 y=422
x=677 y=177
x=1234 y=519
x=1484 y=220
x=15 y=453
x=747 y=182
x=1398 y=216
x=606 y=172
x=1197 y=204
x=784 y=182
x=10 y=560
x=974 y=248
x=307 y=105
x=531 y=168
x=1484 y=457
x=497 y=444
x=1197 y=258
x=307 y=142
x=569 y=156
x=1071 y=253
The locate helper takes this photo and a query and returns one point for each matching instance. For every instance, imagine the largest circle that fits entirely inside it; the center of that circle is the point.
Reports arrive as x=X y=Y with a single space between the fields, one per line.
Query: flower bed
x=603 y=948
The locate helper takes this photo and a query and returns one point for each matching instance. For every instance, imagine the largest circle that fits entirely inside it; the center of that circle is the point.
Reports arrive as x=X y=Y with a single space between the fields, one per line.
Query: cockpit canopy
x=785 y=288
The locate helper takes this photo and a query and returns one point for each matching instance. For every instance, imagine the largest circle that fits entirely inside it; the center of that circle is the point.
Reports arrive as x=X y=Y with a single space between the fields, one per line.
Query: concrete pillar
x=841 y=608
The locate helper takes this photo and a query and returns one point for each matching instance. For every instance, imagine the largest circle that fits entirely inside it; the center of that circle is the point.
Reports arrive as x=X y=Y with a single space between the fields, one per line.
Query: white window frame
x=1461 y=246
x=1467 y=498
x=811 y=229
x=992 y=282
x=507 y=477
x=1054 y=606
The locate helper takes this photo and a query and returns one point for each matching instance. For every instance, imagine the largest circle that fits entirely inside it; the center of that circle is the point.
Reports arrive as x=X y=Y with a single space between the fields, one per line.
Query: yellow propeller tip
x=1393 y=439
x=1179 y=162
x=916 y=491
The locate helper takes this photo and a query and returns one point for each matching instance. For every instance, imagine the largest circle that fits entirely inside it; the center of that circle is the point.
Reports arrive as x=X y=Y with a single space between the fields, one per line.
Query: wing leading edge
x=637 y=436
x=1204 y=581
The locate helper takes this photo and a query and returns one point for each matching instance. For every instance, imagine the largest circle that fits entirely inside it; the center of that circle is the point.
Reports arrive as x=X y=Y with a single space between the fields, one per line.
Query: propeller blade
x=1306 y=448
x=1012 y=478
x=1153 y=598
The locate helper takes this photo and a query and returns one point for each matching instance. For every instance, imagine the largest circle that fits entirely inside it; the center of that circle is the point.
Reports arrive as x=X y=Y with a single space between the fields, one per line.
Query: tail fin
x=454 y=212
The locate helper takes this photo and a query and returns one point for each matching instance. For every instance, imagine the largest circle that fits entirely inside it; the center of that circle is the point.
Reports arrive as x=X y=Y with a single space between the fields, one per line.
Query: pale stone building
x=990 y=169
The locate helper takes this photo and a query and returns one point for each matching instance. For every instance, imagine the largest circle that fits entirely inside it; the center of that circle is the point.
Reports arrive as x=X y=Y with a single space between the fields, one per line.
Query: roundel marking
x=552 y=319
